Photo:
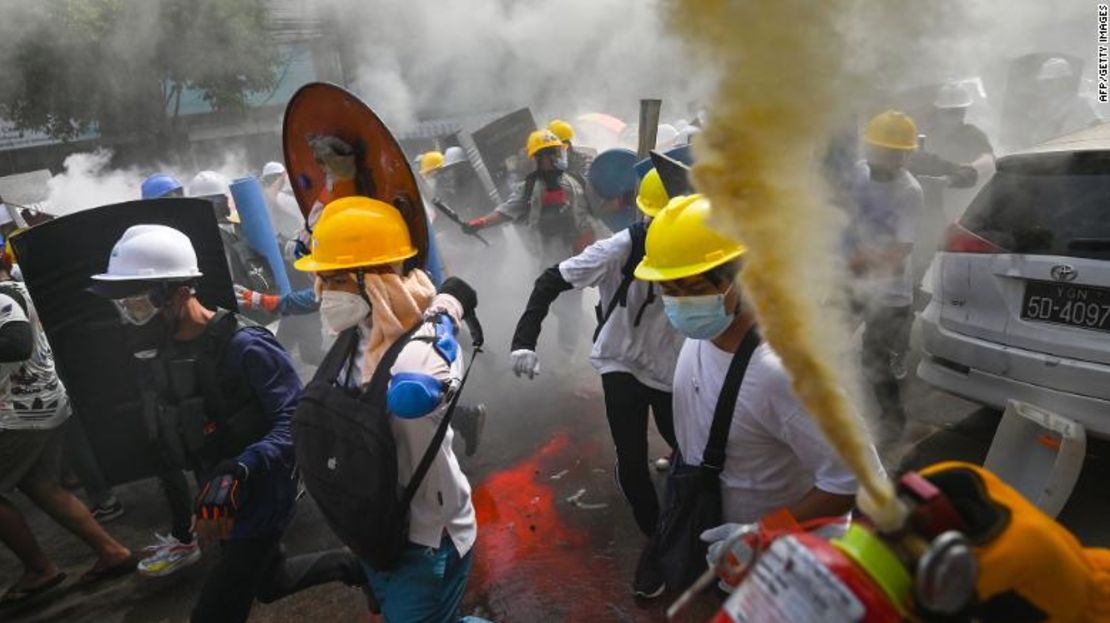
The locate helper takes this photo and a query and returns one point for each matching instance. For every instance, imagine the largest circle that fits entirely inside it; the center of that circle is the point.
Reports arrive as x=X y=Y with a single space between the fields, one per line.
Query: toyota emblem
x=1063 y=272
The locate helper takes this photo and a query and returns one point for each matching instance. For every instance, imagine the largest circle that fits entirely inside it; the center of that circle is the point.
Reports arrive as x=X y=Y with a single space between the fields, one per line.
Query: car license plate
x=1077 y=306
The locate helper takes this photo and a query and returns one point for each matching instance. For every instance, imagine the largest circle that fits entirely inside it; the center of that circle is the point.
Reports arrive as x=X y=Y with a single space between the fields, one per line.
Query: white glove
x=718 y=537
x=525 y=362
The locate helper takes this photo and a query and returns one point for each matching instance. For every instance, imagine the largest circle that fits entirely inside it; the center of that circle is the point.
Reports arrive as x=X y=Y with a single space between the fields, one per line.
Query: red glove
x=249 y=299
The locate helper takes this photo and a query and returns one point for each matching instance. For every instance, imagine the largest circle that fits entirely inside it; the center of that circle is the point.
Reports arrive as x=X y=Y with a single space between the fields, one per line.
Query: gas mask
x=149 y=319
x=136 y=310
x=700 y=317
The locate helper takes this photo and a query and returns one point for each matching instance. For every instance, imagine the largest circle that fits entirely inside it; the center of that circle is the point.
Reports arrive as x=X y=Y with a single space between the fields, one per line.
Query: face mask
x=341 y=310
x=698 y=317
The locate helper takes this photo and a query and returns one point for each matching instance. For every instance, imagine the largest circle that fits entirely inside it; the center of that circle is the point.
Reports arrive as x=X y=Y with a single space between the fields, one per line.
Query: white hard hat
x=151 y=253
x=665 y=136
x=953 y=95
x=1054 y=68
x=273 y=168
x=207 y=183
x=453 y=155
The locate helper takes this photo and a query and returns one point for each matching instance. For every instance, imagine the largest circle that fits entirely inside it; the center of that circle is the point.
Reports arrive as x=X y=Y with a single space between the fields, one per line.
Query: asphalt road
x=556 y=542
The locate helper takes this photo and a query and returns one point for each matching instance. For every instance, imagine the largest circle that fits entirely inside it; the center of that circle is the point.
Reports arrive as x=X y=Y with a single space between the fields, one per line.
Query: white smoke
x=428 y=58
x=88 y=179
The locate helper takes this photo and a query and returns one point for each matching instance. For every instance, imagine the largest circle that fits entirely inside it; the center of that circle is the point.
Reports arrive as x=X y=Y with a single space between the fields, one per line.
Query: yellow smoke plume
x=780 y=67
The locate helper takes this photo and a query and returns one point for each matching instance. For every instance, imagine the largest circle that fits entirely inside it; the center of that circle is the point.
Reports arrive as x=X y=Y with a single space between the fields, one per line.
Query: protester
x=879 y=242
x=388 y=315
x=634 y=347
x=161 y=185
x=767 y=453
x=243 y=392
x=1058 y=107
x=33 y=412
x=554 y=206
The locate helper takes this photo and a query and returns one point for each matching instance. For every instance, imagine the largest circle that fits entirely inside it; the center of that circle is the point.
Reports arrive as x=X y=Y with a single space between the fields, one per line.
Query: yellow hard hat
x=542 y=139
x=893 y=130
x=680 y=244
x=653 y=195
x=355 y=232
x=430 y=161
x=562 y=129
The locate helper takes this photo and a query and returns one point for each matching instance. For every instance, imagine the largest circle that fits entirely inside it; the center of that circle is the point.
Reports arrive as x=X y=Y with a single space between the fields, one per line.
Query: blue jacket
x=267 y=498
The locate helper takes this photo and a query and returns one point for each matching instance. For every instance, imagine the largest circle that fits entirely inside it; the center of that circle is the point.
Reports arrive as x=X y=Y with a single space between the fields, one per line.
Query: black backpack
x=347 y=455
x=638 y=232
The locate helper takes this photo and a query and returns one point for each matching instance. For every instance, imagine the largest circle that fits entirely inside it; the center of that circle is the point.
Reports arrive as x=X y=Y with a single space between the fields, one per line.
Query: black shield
x=89 y=342
x=501 y=145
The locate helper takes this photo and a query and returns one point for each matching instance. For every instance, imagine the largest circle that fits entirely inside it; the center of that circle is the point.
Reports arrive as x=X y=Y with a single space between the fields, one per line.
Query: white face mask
x=340 y=310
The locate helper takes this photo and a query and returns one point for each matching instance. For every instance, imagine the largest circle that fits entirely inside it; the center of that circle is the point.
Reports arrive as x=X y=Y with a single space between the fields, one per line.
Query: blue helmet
x=160 y=185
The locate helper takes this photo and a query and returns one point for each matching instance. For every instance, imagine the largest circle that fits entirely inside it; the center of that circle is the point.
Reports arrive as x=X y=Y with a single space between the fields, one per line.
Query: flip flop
x=94 y=575
x=16 y=595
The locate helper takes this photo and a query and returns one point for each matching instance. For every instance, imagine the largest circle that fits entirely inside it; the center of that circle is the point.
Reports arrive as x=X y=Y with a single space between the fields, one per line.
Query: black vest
x=201 y=416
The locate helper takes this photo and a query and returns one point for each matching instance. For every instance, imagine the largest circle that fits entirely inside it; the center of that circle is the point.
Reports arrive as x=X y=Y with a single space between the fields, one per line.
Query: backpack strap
x=341 y=353
x=582 y=190
x=713 y=459
x=379 y=381
x=529 y=189
x=437 y=440
x=638 y=232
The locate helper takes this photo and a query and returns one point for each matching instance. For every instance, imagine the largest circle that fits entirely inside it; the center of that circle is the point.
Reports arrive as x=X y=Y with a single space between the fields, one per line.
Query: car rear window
x=1046 y=206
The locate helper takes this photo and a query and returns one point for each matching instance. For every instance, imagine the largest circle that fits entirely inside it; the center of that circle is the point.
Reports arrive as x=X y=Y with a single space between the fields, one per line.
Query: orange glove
x=250 y=299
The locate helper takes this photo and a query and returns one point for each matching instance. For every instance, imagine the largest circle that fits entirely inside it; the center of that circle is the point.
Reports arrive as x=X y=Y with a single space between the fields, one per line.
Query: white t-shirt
x=888 y=213
x=31 y=395
x=648 y=351
x=775 y=452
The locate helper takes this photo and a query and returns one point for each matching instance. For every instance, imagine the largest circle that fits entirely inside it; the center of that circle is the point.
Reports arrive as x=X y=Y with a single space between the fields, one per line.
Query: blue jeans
x=426 y=587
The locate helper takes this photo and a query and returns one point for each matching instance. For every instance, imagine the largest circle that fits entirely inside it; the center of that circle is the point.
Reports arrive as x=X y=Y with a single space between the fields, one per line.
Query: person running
x=634 y=349
x=231 y=389
x=34 y=409
x=774 y=455
x=389 y=314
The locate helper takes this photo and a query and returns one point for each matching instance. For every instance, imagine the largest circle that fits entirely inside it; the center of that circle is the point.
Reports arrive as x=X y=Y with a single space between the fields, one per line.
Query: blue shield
x=257 y=229
x=612 y=174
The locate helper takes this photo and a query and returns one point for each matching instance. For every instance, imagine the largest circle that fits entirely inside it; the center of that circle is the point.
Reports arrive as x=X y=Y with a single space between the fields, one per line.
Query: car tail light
x=957 y=239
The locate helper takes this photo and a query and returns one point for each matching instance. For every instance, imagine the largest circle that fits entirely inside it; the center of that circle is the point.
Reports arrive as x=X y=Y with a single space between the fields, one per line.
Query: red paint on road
x=529 y=561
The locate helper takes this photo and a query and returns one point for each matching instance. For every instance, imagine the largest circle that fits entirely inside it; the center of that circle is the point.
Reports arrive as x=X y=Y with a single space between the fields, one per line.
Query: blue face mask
x=698 y=317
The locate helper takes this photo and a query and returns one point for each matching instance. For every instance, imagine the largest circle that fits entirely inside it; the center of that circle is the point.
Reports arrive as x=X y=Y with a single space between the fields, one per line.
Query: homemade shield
x=89 y=341
x=501 y=143
x=612 y=173
x=381 y=171
x=257 y=228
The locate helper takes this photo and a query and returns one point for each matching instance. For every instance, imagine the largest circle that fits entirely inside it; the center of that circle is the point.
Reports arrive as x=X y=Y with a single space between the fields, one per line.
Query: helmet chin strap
x=360 y=279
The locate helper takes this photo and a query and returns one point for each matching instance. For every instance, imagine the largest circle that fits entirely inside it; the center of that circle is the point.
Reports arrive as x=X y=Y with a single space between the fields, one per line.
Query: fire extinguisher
x=796 y=575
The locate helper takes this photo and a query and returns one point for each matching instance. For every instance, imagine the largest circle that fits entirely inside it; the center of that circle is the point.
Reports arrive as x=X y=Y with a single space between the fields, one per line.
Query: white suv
x=1021 y=291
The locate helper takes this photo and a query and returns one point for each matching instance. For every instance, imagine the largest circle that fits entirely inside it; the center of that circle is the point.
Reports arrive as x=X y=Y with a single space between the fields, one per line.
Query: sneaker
x=169 y=556
x=469 y=421
x=107 y=511
x=648 y=582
